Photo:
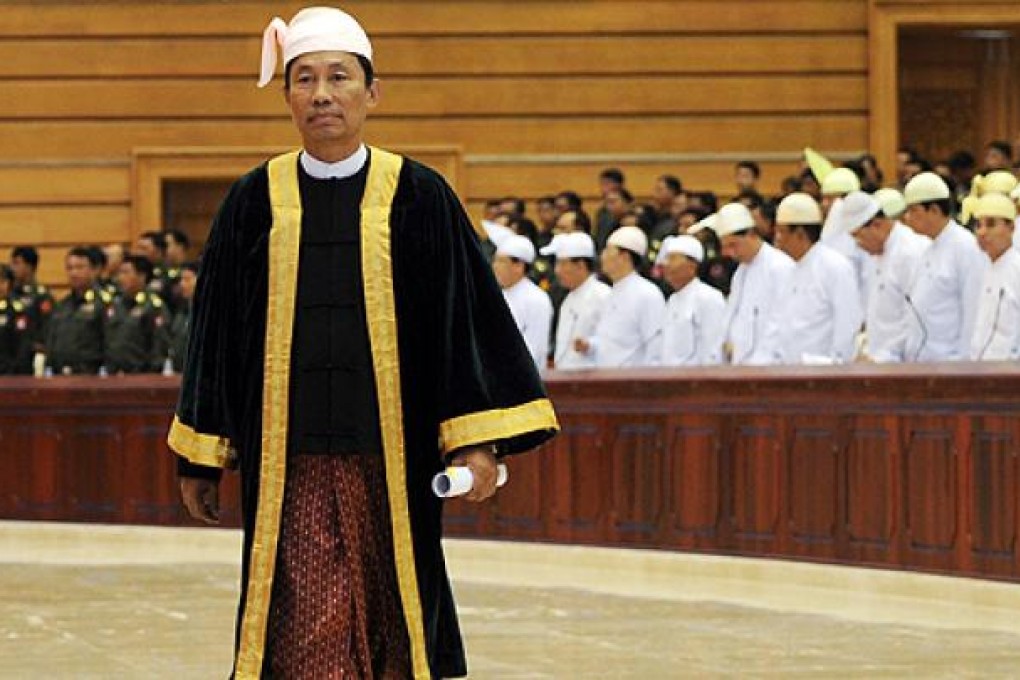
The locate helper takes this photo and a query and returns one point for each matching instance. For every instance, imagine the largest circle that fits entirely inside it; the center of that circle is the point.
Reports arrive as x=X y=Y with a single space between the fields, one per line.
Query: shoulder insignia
x=3 y=304
x=139 y=298
x=90 y=295
x=18 y=307
x=157 y=301
x=41 y=289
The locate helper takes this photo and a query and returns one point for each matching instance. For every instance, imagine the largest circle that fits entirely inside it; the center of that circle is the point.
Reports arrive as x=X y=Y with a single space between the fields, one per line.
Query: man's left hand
x=482 y=463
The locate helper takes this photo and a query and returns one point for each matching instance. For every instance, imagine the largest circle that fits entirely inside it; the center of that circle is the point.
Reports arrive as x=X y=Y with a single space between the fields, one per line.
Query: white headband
x=314 y=29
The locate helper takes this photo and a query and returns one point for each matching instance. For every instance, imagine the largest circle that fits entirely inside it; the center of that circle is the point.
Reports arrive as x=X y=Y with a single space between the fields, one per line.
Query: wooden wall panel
x=516 y=86
x=771 y=462
x=525 y=55
x=694 y=488
x=97 y=18
x=813 y=479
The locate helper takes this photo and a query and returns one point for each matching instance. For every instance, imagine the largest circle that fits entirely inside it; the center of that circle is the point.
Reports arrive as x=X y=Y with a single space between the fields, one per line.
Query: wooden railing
x=911 y=467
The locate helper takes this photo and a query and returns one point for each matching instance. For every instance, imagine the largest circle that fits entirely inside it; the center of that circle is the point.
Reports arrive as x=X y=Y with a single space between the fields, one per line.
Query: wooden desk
x=909 y=467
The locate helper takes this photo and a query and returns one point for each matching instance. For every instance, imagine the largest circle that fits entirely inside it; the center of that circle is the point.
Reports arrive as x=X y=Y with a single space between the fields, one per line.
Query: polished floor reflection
x=104 y=619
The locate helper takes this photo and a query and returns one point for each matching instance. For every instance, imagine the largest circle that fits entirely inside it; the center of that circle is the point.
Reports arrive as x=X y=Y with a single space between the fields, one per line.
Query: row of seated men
x=122 y=316
x=884 y=277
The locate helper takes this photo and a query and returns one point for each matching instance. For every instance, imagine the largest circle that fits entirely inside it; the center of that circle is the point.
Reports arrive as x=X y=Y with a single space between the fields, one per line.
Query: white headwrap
x=313 y=29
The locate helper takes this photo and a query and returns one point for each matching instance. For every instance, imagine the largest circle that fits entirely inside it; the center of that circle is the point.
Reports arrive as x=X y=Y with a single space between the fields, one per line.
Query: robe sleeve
x=489 y=389
x=201 y=432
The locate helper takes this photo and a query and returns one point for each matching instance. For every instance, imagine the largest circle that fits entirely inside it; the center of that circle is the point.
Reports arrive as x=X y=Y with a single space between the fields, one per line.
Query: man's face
x=994 y=235
x=739 y=247
x=827 y=202
x=546 y=215
x=925 y=220
x=571 y=273
x=329 y=100
x=79 y=272
x=871 y=238
x=176 y=255
x=144 y=247
x=679 y=270
x=566 y=223
x=614 y=262
x=188 y=281
x=662 y=195
x=996 y=160
x=745 y=178
x=5 y=288
x=508 y=207
x=22 y=270
x=129 y=279
x=678 y=206
x=685 y=222
x=114 y=256
x=606 y=185
x=507 y=270
x=615 y=204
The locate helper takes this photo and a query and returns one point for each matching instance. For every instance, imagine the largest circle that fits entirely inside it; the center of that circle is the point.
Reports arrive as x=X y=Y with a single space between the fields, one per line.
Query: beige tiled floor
x=150 y=617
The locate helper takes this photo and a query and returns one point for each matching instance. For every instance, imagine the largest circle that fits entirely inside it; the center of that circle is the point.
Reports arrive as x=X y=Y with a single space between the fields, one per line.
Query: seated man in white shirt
x=750 y=332
x=695 y=312
x=583 y=306
x=529 y=304
x=946 y=289
x=819 y=314
x=997 y=328
x=896 y=251
x=630 y=330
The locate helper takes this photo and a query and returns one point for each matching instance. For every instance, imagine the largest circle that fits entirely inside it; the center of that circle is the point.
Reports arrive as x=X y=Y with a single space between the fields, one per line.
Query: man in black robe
x=348 y=341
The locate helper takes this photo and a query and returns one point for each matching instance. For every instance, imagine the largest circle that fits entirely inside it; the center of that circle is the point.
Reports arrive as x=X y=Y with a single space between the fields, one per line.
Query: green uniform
x=16 y=338
x=137 y=331
x=179 y=328
x=74 y=335
x=38 y=302
x=164 y=283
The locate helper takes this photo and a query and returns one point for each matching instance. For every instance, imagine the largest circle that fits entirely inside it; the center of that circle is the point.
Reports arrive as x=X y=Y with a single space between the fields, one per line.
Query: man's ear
x=374 y=94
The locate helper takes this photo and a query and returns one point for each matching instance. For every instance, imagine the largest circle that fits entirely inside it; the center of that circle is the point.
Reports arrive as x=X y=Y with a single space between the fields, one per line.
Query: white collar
x=339 y=170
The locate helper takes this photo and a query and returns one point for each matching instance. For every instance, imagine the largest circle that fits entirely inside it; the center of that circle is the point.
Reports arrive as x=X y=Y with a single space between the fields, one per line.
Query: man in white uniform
x=944 y=295
x=819 y=314
x=836 y=186
x=749 y=334
x=630 y=330
x=997 y=329
x=692 y=333
x=896 y=251
x=529 y=304
x=583 y=306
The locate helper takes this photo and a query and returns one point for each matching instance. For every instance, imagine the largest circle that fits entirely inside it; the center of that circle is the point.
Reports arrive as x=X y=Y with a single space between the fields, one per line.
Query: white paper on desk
x=457 y=480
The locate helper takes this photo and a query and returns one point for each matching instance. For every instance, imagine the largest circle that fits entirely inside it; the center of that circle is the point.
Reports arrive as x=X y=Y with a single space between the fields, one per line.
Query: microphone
x=995 y=324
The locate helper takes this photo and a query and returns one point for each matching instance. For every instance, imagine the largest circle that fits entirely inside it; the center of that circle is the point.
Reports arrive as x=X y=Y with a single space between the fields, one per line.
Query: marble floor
x=114 y=610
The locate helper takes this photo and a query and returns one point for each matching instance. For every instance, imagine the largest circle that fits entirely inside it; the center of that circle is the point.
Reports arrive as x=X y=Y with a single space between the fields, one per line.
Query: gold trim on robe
x=201 y=449
x=502 y=423
x=380 y=310
x=284 y=250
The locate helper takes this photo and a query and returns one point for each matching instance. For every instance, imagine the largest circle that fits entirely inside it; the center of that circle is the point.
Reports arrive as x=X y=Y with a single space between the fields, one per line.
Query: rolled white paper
x=458 y=480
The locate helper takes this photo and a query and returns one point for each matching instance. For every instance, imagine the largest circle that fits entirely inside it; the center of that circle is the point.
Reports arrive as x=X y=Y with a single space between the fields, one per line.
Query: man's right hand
x=201 y=498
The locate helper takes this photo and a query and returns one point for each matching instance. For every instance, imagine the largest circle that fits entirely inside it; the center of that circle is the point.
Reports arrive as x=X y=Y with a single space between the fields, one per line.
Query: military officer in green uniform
x=181 y=323
x=74 y=335
x=33 y=296
x=16 y=339
x=137 y=325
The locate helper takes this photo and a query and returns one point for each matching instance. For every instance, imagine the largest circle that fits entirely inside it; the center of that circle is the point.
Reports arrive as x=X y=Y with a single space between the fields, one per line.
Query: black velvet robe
x=450 y=366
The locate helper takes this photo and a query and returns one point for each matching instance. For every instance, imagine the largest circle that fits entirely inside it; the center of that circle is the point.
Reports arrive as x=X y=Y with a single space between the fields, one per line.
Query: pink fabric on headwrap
x=275 y=34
